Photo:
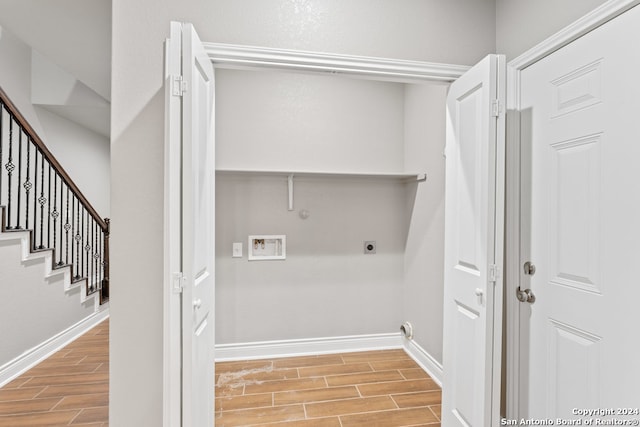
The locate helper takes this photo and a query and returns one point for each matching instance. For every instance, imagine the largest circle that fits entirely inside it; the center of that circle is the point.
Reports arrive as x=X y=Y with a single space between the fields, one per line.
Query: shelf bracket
x=290 y=179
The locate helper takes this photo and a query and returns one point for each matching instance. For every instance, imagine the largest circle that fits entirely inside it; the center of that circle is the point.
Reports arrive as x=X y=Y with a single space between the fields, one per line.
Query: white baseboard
x=313 y=346
x=425 y=360
x=305 y=347
x=30 y=358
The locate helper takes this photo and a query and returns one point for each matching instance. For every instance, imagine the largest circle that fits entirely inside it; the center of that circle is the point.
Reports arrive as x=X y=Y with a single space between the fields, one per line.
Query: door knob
x=525 y=296
x=197 y=303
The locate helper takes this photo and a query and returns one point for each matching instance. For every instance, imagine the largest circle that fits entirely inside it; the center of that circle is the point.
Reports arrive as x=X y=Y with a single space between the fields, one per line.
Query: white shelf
x=415 y=176
x=290 y=175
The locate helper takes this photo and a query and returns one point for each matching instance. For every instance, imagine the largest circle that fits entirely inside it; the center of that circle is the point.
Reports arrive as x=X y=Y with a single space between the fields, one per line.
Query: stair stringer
x=50 y=272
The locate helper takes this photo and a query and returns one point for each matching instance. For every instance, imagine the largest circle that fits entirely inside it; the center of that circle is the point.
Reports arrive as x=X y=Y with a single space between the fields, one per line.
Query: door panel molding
x=516 y=124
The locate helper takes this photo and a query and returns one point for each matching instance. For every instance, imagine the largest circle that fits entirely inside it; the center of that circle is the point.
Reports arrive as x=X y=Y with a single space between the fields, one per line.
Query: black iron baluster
x=10 y=167
x=53 y=214
x=49 y=209
x=41 y=200
x=59 y=247
x=93 y=231
x=87 y=248
x=96 y=255
x=17 y=227
x=78 y=238
x=81 y=230
x=27 y=184
x=67 y=227
x=100 y=259
x=35 y=199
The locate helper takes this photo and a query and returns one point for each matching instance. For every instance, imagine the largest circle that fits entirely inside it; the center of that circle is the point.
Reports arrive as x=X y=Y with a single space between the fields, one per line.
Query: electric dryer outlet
x=370 y=247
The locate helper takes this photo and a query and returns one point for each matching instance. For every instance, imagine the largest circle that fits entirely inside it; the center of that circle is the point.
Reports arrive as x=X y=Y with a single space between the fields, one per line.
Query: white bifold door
x=189 y=239
x=580 y=133
x=474 y=200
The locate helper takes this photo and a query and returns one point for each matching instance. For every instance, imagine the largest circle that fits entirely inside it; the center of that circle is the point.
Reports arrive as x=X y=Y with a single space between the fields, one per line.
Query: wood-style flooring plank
x=383 y=388
x=373 y=388
x=397 y=418
x=71 y=387
x=349 y=406
x=246 y=417
x=317 y=395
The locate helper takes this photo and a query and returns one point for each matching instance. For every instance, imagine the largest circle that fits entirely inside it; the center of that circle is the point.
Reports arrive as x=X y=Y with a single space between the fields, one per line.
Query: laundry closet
x=330 y=161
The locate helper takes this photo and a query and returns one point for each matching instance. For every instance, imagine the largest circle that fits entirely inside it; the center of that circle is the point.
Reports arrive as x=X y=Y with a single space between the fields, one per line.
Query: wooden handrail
x=13 y=110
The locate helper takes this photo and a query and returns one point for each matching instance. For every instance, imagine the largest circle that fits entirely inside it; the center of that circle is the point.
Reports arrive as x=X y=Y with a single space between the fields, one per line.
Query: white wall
x=521 y=24
x=137 y=151
x=288 y=121
x=39 y=308
x=305 y=122
x=33 y=309
x=459 y=31
x=84 y=154
x=424 y=252
x=452 y=31
x=327 y=286
x=15 y=76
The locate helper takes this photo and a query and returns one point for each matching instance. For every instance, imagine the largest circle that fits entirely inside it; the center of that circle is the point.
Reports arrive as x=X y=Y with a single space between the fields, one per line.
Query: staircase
x=43 y=207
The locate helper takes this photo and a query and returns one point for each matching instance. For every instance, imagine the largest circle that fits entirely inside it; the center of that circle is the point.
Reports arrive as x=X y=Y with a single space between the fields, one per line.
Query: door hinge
x=177 y=283
x=496 y=108
x=178 y=86
x=494 y=273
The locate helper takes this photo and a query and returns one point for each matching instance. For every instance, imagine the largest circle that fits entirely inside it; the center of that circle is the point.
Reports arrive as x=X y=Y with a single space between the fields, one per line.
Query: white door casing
x=474 y=200
x=172 y=350
x=579 y=133
x=190 y=231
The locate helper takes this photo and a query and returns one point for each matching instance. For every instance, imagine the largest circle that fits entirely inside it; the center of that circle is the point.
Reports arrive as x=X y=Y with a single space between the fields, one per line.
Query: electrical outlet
x=237 y=250
x=370 y=247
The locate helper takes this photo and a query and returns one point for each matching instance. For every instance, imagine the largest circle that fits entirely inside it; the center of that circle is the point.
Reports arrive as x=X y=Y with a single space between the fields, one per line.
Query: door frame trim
x=383 y=69
x=594 y=19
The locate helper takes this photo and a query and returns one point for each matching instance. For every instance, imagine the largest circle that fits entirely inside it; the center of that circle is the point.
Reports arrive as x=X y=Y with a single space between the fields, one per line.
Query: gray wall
x=326 y=286
x=454 y=31
x=300 y=122
x=521 y=24
x=40 y=306
x=294 y=121
x=424 y=251
x=84 y=154
x=34 y=308
x=137 y=150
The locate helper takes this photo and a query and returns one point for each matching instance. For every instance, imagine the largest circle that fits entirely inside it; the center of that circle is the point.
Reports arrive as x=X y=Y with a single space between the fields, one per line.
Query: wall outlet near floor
x=370 y=247
x=237 y=250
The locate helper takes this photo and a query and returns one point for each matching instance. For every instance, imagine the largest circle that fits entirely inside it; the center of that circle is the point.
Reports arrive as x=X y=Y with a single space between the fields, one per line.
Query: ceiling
x=73 y=34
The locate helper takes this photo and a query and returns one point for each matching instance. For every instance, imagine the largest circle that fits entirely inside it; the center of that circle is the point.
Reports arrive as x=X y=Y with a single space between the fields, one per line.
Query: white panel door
x=474 y=193
x=189 y=238
x=198 y=232
x=580 y=133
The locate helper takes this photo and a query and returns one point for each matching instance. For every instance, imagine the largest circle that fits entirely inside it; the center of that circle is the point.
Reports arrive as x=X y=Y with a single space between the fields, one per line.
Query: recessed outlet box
x=370 y=247
x=267 y=247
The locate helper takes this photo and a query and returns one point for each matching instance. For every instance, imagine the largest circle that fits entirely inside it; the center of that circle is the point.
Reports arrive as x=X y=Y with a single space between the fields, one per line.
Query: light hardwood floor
x=69 y=388
x=377 y=388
